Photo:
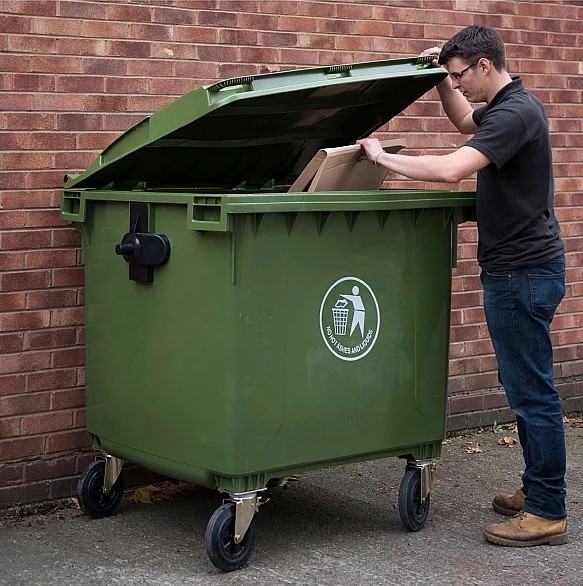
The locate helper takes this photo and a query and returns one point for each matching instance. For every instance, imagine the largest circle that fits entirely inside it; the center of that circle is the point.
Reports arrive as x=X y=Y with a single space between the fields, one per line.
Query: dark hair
x=473 y=43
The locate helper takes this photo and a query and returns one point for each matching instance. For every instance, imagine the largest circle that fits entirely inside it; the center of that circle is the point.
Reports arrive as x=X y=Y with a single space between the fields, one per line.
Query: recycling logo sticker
x=350 y=319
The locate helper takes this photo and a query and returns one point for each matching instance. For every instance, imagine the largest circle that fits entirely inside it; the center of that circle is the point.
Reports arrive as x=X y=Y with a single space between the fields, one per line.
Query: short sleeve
x=501 y=134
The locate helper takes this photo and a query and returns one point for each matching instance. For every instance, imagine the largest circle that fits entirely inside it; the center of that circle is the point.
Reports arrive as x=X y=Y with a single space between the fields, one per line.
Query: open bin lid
x=259 y=131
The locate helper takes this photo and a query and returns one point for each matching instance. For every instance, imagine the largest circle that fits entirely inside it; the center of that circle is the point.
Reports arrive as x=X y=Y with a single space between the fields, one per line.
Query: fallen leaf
x=291 y=478
x=573 y=421
x=507 y=441
x=474 y=449
x=157 y=492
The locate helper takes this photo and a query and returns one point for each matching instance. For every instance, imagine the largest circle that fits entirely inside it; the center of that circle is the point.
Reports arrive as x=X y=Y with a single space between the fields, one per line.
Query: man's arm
x=450 y=168
x=457 y=108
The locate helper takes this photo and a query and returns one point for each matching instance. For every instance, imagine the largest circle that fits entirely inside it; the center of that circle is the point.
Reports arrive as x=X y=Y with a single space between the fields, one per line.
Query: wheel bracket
x=426 y=469
x=247 y=504
x=113 y=468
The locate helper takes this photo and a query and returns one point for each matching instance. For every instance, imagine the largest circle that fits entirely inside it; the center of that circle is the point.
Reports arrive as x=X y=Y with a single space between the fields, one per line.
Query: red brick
x=24 y=362
x=105 y=103
x=21 y=404
x=82 y=9
x=12 y=384
x=52 y=379
x=9 y=427
x=68 y=277
x=129 y=49
x=26 y=160
x=11 y=343
x=67 y=317
x=46 y=422
x=19 y=82
x=51 y=339
x=197 y=70
x=104 y=66
x=12 y=180
x=51 y=259
x=11 y=261
x=68 y=357
x=79 y=418
x=46 y=141
x=107 y=29
x=129 y=13
x=51 y=299
x=30 y=121
x=79 y=122
x=30 y=44
x=152 y=32
x=24 y=280
x=147 y=103
x=55 y=27
x=15 y=141
x=157 y=68
x=30 y=239
x=51 y=468
x=14 y=24
x=174 y=16
x=11 y=474
x=68 y=440
x=27 y=493
x=17 y=448
x=128 y=85
x=68 y=399
x=38 y=7
x=17 y=62
x=54 y=64
x=43 y=219
x=12 y=301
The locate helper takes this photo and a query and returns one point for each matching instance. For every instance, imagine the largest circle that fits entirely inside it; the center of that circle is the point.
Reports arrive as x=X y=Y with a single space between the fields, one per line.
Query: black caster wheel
x=219 y=539
x=92 y=500
x=412 y=511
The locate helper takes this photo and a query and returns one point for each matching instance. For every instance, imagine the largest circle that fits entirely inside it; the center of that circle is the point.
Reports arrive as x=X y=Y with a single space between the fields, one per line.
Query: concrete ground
x=336 y=527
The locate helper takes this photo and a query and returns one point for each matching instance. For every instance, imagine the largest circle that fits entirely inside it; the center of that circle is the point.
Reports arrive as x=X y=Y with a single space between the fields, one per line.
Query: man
x=521 y=256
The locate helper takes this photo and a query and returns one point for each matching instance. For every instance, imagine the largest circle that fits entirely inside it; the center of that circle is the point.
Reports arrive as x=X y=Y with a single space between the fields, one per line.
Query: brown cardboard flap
x=344 y=169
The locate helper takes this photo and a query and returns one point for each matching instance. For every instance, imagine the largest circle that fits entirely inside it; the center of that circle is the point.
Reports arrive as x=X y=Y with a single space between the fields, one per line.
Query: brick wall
x=76 y=73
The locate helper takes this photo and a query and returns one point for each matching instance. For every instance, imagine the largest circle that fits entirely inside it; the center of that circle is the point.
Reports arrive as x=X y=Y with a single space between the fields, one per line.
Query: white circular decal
x=349 y=319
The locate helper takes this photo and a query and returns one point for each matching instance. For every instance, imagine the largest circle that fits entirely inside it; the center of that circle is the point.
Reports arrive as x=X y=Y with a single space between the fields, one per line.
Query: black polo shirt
x=514 y=197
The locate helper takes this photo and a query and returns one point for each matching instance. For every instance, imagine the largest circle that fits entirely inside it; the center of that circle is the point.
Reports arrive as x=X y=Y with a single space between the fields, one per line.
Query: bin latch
x=142 y=249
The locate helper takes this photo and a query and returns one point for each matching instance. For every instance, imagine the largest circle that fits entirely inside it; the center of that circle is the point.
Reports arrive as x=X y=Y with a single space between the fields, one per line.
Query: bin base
x=234 y=483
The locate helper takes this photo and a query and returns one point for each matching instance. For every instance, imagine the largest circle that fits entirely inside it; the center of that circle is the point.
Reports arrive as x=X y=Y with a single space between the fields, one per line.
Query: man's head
x=473 y=43
x=476 y=64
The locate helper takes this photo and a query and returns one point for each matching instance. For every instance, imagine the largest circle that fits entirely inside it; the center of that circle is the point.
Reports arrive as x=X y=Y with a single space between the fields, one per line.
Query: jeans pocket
x=546 y=292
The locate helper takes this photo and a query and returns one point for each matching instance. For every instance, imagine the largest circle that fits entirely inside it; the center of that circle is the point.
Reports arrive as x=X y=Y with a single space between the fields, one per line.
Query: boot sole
x=559 y=539
x=505 y=511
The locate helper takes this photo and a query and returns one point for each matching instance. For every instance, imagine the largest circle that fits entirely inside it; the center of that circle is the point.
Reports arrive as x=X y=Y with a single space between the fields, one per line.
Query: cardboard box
x=344 y=168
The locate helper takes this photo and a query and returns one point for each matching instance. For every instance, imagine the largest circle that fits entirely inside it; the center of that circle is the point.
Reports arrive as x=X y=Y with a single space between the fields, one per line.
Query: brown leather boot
x=509 y=504
x=526 y=529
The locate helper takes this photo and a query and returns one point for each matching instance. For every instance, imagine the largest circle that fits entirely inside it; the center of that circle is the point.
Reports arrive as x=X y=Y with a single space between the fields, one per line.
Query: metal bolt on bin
x=237 y=332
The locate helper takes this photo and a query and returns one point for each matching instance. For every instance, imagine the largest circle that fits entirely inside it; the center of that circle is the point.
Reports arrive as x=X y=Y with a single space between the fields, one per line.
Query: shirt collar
x=514 y=86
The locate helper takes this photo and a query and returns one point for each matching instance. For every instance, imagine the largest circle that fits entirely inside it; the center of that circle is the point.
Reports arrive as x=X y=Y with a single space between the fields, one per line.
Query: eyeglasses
x=456 y=76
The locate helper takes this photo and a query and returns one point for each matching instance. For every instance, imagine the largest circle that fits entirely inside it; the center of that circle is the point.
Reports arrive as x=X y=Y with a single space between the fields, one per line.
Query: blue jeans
x=519 y=306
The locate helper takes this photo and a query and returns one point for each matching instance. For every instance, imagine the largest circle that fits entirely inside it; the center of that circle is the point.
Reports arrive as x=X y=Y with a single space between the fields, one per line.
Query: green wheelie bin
x=236 y=332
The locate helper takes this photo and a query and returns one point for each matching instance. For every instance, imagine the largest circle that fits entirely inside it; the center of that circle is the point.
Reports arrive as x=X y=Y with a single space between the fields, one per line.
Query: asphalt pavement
x=332 y=527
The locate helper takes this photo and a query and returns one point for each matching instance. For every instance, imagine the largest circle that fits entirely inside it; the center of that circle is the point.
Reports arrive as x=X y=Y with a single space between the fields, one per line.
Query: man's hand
x=433 y=51
x=372 y=147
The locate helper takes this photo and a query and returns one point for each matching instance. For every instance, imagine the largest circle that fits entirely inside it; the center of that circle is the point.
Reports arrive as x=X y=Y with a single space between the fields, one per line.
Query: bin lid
x=258 y=131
